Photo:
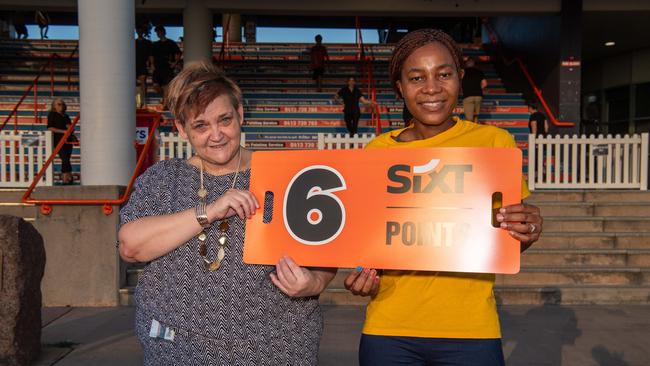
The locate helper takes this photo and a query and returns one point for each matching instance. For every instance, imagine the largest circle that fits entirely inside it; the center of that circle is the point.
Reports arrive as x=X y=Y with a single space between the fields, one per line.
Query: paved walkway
x=532 y=335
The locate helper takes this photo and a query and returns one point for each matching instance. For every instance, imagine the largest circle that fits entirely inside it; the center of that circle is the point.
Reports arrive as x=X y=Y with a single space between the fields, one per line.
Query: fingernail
x=366 y=270
x=502 y=210
x=503 y=225
x=359 y=268
x=499 y=217
x=512 y=232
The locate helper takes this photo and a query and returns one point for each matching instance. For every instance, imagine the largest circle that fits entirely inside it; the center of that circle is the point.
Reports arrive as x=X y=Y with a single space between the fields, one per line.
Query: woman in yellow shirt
x=436 y=318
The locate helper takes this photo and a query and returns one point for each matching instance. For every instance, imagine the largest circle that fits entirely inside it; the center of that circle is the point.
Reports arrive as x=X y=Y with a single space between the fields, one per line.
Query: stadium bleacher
x=282 y=108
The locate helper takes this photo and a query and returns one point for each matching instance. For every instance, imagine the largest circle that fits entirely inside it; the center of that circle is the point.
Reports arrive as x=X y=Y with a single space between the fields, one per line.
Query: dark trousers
x=414 y=351
x=65 y=153
x=351 y=118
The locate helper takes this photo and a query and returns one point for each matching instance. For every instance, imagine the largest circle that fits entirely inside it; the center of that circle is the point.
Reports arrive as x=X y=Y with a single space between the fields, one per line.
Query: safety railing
x=46 y=204
x=22 y=154
x=33 y=86
x=366 y=64
x=225 y=40
x=596 y=162
x=538 y=92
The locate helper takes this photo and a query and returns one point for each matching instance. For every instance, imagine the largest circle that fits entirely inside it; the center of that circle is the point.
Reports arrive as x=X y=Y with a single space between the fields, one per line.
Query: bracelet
x=202 y=215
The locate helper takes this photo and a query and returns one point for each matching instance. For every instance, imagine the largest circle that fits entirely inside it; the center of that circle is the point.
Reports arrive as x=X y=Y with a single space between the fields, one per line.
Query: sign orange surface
x=411 y=209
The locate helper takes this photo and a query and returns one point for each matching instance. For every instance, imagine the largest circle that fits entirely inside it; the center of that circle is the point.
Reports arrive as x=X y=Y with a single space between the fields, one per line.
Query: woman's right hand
x=233 y=202
x=362 y=283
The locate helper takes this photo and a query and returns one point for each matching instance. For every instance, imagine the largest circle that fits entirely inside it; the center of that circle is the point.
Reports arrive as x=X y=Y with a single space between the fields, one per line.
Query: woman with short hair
x=197 y=303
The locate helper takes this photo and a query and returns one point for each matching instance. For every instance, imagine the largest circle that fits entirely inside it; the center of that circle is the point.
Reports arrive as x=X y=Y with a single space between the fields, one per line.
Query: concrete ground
x=532 y=336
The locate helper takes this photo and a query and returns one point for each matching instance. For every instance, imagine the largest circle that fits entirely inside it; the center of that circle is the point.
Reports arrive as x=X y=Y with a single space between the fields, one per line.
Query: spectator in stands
x=318 y=55
x=436 y=318
x=591 y=120
x=43 y=20
x=58 y=122
x=350 y=96
x=143 y=62
x=537 y=122
x=20 y=27
x=474 y=83
x=166 y=56
x=197 y=302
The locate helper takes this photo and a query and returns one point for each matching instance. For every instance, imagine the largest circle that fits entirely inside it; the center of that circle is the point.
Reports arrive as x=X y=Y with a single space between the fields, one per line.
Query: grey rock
x=22 y=258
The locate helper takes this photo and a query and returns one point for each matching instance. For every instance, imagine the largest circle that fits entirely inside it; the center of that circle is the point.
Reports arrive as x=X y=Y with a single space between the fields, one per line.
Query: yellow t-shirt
x=438 y=304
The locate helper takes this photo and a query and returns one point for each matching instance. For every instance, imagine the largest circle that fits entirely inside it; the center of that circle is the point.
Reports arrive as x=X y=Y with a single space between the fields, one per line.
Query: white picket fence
x=554 y=162
x=173 y=146
x=328 y=141
x=21 y=157
x=594 y=162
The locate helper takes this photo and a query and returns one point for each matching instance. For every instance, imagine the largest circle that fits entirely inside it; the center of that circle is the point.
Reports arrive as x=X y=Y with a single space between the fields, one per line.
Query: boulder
x=22 y=263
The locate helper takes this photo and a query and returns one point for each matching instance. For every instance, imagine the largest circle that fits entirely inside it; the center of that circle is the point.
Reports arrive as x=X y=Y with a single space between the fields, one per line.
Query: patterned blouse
x=232 y=316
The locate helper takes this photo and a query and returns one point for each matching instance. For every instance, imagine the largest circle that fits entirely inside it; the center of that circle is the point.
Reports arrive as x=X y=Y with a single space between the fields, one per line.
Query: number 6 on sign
x=408 y=209
x=313 y=214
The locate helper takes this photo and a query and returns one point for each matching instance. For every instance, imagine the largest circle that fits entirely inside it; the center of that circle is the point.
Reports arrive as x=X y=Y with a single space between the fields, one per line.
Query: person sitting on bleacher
x=58 y=122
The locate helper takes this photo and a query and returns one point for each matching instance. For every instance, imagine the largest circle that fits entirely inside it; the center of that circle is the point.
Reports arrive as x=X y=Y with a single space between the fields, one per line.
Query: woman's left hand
x=523 y=221
x=294 y=280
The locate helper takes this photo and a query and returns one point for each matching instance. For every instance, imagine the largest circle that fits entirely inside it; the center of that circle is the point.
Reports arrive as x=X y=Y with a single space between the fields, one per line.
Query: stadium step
x=585 y=257
x=602 y=209
x=577 y=275
x=593 y=196
x=581 y=240
x=596 y=224
x=572 y=295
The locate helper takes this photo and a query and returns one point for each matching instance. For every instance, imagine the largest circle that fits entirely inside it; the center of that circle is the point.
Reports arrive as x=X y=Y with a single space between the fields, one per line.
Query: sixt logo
x=401 y=175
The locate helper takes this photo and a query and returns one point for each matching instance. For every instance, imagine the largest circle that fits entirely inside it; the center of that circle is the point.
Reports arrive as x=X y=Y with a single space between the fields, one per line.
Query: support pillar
x=197 y=32
x=570 y=63
x=107 y=91
x=233 y=22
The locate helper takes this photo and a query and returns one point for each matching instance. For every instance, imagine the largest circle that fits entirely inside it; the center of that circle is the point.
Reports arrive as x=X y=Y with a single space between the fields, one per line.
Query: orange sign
x=409 y=209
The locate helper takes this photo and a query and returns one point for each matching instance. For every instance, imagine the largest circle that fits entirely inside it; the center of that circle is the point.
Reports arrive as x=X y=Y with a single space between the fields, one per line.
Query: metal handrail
x=34 y=85
x=495 y=41
x=46 y=204
x=372 y=89
x=225 y=40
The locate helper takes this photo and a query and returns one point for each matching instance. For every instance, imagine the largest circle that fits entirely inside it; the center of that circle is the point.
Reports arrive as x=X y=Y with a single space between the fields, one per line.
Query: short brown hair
x=198 y=85
x=414 y=40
